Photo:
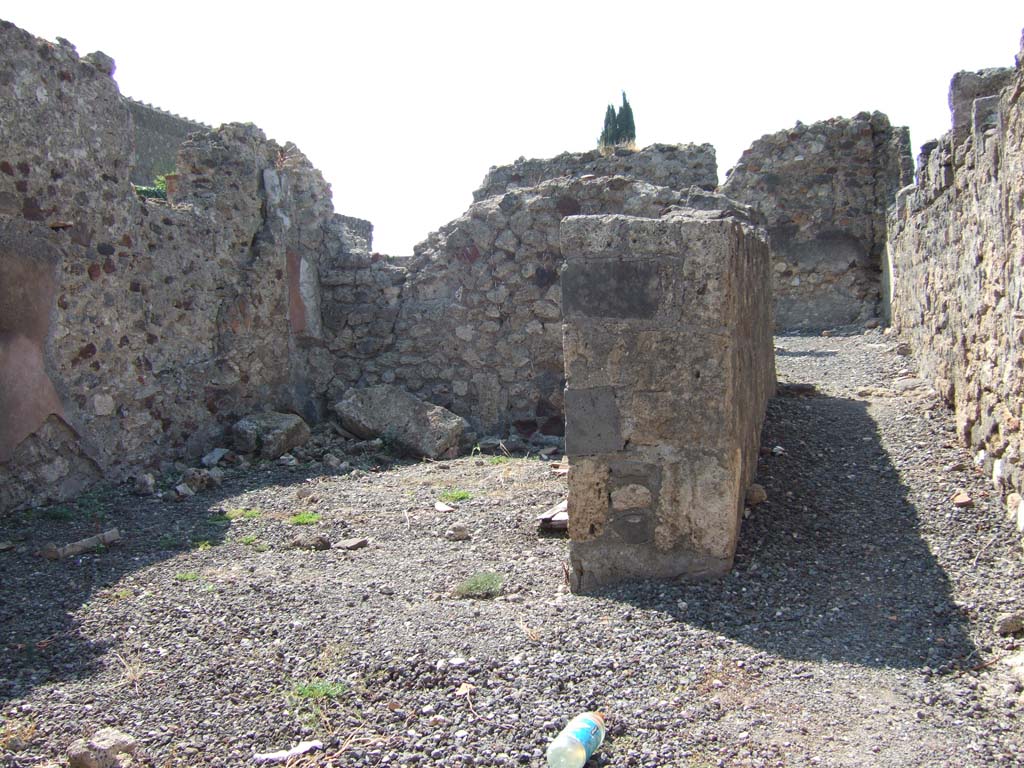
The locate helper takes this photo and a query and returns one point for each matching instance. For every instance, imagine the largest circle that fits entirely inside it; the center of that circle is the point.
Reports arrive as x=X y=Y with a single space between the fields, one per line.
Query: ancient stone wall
x=955 y=246
x=825 y=189
x=473 y=320
x=152 y=324
x=669 y=361
x=157 y=136
x=132 y=331
x=676 y=166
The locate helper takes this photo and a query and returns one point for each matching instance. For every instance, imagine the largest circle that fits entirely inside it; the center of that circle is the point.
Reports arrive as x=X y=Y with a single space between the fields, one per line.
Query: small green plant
x=456 y=494
x=203 y=545
x=243 y=513
x=261 y=546
x=248 y=540
x=168 y=541
x=318 y=689
x=61 y=512
x=158 y=189
x=481 y=585
x=498 y=459
x=186 y=576
x=304 y=518
x=221 y=519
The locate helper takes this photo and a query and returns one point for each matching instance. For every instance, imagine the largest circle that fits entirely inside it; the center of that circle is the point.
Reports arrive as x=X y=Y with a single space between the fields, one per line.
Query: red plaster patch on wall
x=27 y=294
x=296 y=306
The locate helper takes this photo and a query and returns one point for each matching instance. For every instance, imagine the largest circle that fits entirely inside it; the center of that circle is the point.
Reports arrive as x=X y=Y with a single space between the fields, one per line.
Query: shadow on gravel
x=41 y=636
x=832 y=567
x=804 y=353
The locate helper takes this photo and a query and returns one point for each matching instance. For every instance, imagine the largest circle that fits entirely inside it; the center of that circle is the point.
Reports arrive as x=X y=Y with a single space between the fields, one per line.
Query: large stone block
x=669 y=366
x=415 y=426
x=271 y=434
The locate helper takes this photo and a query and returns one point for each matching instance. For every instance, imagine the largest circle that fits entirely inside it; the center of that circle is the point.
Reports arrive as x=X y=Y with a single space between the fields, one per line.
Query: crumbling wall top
x=965 y=88
x=676 y=166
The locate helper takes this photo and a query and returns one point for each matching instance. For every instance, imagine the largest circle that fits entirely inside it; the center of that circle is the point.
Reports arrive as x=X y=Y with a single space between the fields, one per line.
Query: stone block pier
x=669 y=366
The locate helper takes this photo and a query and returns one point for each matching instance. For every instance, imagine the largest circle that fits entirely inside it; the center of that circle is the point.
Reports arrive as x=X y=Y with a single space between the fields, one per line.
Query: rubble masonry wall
x=157 y=136
x=824 y=189
x=473 y=320
x=155 y=324
x=676 y=166
x=956 y=241
x=131 y=331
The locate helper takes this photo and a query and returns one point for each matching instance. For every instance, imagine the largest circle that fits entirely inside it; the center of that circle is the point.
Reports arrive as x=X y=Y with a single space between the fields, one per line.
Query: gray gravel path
x=856 y=629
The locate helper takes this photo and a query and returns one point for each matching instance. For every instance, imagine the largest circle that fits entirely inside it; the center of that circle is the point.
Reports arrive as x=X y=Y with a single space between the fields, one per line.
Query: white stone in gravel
x=212 y=459
x=284 y=755
x=440 y=506
x=998 y=473
x=101 y=750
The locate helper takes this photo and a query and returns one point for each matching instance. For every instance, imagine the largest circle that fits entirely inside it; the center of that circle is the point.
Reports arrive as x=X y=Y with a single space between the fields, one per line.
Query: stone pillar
x=669 y=366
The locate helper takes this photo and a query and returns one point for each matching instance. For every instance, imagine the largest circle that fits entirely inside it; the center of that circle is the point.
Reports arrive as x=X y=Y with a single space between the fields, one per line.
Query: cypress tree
x=625 y=130
x=618 y=126
x=608 y=134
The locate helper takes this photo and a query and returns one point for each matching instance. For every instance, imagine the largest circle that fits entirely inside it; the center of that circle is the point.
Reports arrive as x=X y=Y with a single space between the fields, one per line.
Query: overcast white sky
x=404 y=106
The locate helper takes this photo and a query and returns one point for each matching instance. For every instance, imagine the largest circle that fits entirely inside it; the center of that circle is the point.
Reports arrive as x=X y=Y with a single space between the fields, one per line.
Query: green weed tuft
x=319 y=689
x=481 y=586
x=304 y=518
x=243 y=513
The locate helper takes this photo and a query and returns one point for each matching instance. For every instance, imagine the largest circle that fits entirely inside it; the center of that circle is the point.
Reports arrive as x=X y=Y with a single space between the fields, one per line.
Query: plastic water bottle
x=577 y=741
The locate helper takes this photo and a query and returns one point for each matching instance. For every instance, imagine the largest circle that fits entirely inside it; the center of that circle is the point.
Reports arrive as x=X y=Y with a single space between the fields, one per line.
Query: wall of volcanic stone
x=956 y=245
x=824 y=189
x=156 y=139
x=131 y=331
x=677 y=166
x=472 y=320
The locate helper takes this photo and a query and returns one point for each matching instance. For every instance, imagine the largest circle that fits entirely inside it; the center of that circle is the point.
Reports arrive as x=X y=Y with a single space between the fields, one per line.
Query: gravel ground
x=855 y=630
